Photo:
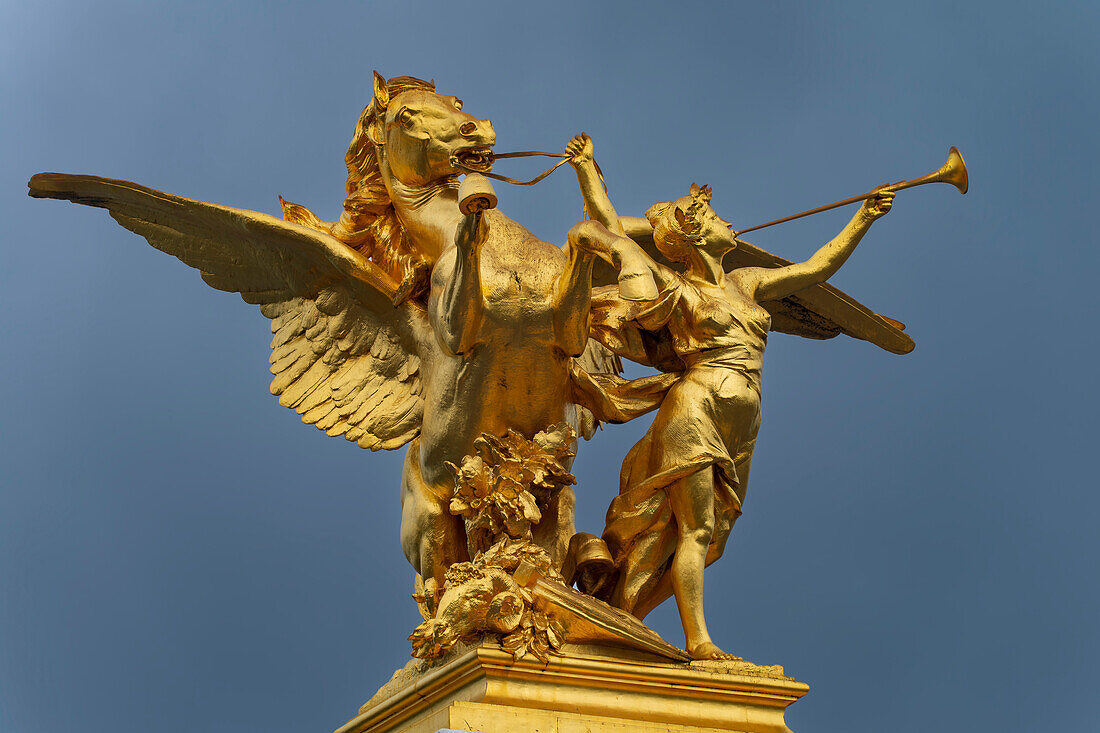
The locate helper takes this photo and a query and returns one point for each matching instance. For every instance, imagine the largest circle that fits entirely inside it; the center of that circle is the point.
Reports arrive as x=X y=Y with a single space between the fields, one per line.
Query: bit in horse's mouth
x=478 y=159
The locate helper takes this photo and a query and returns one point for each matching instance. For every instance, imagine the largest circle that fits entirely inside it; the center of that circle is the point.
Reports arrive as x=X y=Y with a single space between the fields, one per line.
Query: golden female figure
x=682 y=485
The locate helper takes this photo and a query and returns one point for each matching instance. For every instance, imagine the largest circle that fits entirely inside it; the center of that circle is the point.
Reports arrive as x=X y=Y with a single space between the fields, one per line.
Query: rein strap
x=524 y=154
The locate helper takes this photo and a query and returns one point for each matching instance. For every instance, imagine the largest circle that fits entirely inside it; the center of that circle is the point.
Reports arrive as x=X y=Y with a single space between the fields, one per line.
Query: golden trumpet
x=953 y=171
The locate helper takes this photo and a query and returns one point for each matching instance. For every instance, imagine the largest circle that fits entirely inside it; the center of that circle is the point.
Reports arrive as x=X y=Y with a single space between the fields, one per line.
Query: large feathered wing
x=344 y=357
x=818 y=312
x=597 y=359
x=822 y=311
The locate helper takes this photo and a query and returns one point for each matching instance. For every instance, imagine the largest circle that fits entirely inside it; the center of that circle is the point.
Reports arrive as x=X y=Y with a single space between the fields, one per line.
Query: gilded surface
x=683 y=485
x=425 y=317
x=584 y=689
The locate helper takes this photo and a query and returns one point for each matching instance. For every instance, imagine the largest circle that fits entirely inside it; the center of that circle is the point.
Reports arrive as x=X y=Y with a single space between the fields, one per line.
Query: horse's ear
x=381 y=94
x=378 y=105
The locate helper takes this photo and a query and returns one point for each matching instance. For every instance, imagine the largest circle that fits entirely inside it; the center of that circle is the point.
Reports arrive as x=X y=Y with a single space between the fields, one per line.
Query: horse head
x=420 y=134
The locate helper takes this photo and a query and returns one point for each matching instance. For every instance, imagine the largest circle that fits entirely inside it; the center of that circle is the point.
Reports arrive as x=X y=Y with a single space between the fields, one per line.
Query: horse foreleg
x=456 y=305
x=636 y=280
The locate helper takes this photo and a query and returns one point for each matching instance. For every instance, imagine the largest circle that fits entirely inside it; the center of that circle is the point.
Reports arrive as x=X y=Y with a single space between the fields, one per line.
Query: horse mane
x=369 y=223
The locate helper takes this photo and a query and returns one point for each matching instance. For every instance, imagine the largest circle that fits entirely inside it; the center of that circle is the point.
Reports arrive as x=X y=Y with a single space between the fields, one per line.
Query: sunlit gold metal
x=953 y=171
x=484 y=165
x=476 y=194
x=425 y=317
x=585 y=689
x=406 y=321
x=682 y=486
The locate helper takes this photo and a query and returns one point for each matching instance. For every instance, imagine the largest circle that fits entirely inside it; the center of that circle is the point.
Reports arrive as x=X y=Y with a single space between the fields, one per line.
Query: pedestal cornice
x=587 y=688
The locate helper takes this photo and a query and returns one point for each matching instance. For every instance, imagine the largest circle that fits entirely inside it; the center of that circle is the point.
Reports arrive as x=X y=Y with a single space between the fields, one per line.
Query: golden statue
x=364 y=345
x=426 y=317
x=683 y=485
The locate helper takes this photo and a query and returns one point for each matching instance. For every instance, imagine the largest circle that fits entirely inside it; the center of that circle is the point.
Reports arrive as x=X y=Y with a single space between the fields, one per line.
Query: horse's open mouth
x=478 y=159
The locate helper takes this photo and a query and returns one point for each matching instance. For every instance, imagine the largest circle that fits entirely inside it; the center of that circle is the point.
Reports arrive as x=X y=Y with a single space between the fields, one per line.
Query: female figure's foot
x=710 y=650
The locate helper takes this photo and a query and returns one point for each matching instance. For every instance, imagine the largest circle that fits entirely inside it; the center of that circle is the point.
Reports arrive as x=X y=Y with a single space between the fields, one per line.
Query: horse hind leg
x=431 y=537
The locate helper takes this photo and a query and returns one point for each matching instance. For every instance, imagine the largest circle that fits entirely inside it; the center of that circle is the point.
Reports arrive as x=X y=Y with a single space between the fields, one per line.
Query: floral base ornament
x=503 y=489
x=511 y=592
x=500 y=493
x=482 y=598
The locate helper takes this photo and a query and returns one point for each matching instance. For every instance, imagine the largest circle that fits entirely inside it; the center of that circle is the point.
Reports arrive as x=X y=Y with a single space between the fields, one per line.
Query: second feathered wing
x=343 y=356
x=822 y=311
x=818 y=312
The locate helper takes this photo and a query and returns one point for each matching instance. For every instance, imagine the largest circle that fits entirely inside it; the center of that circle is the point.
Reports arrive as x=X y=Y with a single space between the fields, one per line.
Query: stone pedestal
x=584 y=690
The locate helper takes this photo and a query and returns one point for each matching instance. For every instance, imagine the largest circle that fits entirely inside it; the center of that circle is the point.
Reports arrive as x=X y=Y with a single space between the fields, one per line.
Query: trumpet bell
x=954 y=170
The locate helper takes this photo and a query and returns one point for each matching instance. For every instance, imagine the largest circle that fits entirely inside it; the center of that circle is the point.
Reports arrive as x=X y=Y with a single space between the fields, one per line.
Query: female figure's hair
x=678 y=225
x=369 y=223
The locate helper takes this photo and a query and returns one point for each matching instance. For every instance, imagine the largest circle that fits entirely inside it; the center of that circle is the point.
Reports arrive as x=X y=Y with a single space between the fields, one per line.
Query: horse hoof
x=475 y=194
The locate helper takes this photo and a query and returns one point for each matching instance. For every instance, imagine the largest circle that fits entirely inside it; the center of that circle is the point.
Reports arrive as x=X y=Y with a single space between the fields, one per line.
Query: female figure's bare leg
x=663 y=589
x=692 y=501
x=742 y=465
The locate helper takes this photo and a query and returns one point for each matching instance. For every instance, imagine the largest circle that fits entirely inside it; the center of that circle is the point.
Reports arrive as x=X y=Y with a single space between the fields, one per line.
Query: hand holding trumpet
x=878 y=204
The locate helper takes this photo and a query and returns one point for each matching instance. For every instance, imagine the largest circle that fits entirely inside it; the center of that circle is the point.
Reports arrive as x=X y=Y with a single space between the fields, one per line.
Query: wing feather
x=823 y=311
x=818 y=312
x=596 y=359
x=343 y=355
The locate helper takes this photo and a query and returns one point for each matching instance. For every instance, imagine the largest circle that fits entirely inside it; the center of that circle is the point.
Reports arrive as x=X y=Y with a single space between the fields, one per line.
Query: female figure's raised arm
x=638 y=279
x=596 y=200
x=771 y=284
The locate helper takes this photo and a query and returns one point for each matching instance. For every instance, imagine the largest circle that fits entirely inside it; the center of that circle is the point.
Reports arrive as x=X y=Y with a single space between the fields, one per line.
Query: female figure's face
x=717 y=231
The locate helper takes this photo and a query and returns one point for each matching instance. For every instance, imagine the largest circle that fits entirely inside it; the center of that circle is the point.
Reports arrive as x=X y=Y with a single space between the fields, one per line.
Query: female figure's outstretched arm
x=770 y=284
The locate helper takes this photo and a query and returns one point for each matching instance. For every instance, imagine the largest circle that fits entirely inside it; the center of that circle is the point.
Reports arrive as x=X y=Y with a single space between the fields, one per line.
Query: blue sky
x=178 y=552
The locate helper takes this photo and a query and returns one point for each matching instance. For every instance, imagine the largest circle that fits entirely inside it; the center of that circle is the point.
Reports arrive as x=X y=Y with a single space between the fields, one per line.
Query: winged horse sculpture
x=407 y=322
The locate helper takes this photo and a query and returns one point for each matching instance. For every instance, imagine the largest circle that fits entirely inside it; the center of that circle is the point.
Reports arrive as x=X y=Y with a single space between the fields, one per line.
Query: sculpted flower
x=537 y=635
x=461 y=573
x=515 y=507
x=546 y=457
x=514 y=471
x=509 y=553
x=472 y=485
x=557 y=440
x=498 y=490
